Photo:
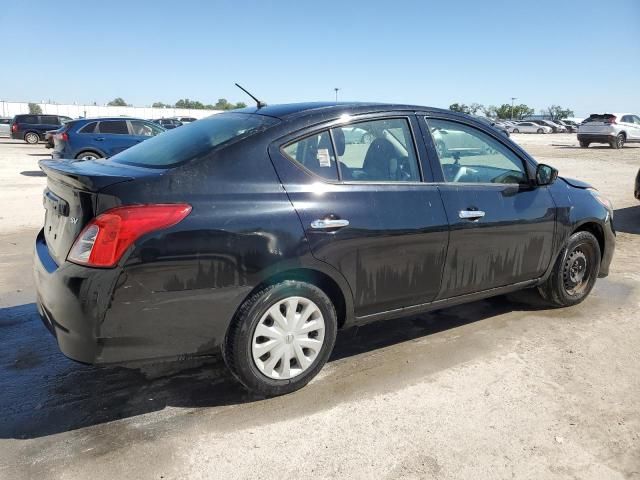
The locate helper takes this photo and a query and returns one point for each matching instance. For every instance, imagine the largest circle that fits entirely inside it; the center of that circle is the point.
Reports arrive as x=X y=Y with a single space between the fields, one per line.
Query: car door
x=631 y=127
x=502 y=226
x=365 y=209
x=112 y=137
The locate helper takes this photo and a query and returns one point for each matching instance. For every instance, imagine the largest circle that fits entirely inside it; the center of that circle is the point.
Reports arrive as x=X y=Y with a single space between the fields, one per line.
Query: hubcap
x=576 y=272
x=288 y=338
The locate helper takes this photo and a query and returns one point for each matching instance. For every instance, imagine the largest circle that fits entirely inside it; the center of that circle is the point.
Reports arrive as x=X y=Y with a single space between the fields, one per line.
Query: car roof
x=95 y=119
x=292 y=110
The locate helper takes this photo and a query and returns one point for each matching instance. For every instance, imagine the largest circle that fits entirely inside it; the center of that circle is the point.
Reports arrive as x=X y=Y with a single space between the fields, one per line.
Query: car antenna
x=259 y=103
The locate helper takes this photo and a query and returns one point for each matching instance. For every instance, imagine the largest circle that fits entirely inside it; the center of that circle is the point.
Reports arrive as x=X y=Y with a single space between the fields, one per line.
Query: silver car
x=5 y=126
x=616 y=129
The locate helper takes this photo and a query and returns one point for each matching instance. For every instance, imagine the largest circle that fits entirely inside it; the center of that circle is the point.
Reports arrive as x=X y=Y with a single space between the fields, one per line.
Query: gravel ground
x=501 y=388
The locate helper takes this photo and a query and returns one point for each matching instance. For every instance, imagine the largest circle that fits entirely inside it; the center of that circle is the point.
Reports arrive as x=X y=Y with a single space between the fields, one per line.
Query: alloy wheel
x=288 y=338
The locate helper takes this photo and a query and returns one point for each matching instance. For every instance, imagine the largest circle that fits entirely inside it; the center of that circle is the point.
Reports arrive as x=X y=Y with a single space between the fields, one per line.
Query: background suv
x=88 y=139
x=32 y=128
x=613 y=128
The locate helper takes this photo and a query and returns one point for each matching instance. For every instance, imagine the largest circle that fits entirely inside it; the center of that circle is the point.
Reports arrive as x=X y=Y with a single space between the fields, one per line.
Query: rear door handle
x=471 y=214
x=329 y=223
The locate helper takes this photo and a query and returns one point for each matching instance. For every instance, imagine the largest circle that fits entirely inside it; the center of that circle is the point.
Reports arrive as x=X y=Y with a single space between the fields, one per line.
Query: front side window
x=315 y=153
x=117 y=127
x=468 y=155
x=377 y=151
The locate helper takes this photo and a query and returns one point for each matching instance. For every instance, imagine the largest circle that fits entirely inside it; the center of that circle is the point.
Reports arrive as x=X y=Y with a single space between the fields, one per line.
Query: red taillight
x=105 y=239
x=63 y=136
x=14 y=127
x=610 y=120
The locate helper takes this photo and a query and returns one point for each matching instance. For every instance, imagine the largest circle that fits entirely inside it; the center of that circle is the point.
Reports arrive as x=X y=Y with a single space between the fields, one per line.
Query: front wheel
x=32 y=138
x=281 y=337
x=575 y=271
x=515 y=130
x=540 y=130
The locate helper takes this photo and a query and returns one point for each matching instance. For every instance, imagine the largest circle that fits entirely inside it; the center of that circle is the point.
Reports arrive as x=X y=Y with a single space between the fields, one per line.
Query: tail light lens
x=610 y=120
x=14 y=127
x=63 y=136
x=105 y=239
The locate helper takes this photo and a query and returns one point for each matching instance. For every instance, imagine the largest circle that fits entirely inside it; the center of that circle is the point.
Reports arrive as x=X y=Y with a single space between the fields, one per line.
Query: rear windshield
x=596 y=117
x=194 y=139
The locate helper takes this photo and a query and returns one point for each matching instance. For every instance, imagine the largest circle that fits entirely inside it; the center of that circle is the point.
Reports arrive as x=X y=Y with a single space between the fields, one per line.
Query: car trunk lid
x=70 y=198
x=598 y=123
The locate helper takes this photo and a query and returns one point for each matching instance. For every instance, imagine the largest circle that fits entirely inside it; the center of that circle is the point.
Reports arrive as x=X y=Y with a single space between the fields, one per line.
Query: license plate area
x=56 y=214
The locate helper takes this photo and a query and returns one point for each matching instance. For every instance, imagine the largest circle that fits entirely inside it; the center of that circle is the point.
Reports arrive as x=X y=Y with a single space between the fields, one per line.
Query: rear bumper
x=123 y=315
x=596 y=137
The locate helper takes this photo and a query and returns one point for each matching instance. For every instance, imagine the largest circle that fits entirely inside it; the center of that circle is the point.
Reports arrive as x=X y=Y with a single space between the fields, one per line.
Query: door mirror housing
x=546 y=174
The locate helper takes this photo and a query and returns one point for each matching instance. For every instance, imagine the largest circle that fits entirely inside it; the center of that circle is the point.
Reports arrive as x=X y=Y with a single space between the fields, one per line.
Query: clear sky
x=582 y=54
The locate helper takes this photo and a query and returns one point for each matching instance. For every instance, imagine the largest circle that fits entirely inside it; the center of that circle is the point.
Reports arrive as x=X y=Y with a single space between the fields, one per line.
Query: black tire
x=88 y=155
x=584 y=144
x=31 y=138
x=618 y=142
x=575 y=271
x=515 y=130
x=540 y=130
x=237 y=351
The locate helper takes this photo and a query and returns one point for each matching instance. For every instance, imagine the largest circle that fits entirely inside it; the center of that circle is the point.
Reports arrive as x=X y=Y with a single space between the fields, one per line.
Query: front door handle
x=329 y=223
x=471 y=214
x=99 y=139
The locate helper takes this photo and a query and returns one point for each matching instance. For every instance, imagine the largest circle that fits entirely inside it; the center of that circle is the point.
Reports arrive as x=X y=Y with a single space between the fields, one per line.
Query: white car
x=616 y=129
x=530 y=127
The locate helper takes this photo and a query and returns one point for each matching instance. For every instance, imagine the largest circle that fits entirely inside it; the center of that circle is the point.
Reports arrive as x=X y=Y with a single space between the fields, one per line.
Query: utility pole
x=336 y=90
x=512 y=99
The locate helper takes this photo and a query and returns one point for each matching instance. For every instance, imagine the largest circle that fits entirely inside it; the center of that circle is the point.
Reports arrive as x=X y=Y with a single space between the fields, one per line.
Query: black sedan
x=261 y=232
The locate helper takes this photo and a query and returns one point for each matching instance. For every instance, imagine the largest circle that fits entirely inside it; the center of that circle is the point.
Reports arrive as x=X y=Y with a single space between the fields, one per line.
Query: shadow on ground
x=33 y=173
x=44 y=393
x=627 y=220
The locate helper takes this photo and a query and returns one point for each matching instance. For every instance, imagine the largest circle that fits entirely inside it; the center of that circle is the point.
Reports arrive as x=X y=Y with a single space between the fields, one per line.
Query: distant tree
x=505 y=112
x=160 y=105
x=474 y=108
x=241 y=105
x=490 y=111
x=459 y=107
x=117 y=102
x=35 y=109
x=556 y=112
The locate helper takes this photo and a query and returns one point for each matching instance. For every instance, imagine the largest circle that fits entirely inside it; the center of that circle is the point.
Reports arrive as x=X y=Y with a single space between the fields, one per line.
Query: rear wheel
x=575 y=271
x=281 y=338
x=31 y=138
x=515 y=130
x=88 y=156
x=584 y=144
x=618 y=142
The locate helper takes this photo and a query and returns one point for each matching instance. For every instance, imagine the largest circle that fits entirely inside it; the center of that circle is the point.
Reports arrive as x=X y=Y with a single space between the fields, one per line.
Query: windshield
x=193 y=140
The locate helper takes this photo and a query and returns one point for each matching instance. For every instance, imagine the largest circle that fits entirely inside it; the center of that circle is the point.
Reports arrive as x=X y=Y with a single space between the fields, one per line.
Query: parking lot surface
x=501 y=388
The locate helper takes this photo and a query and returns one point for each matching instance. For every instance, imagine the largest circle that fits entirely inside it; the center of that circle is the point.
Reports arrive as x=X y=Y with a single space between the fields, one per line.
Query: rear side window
x=88 y=128
x=315 y=153
x=27 y=119
x=117 y=127
x=196 y=139
x=377 y=151
x=5 y=121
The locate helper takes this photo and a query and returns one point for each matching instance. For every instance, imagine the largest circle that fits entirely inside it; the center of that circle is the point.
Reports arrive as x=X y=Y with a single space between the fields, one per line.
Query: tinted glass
x=195 y=139
x=145 y=129
x=468 y=155
x=315 y=153
x=49 y=120
x=27 y=119
x=377 y=151
x=5 y=121
x=118 y=127
x=88 y=128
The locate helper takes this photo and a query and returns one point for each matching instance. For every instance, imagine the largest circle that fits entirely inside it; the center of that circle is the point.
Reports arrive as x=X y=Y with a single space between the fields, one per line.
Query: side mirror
x=545 y=174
